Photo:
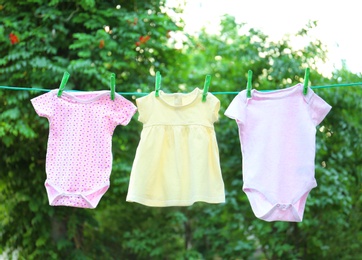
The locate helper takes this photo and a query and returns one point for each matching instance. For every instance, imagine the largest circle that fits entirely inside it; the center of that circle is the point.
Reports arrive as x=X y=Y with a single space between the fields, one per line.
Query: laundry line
x=214 y=93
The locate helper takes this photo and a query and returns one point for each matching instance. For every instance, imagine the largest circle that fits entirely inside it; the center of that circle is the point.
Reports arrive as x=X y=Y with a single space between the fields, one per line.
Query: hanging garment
x=79 y=155
x=177 y=159
x=277 y=134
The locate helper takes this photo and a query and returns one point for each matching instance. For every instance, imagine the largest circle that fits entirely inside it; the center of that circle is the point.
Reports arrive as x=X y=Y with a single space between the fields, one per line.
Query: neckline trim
x=276 y=94
x=195 y=93
x=72 y=96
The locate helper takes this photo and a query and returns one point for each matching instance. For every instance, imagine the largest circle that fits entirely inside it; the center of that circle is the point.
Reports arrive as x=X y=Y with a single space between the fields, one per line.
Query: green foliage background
x=68 y=35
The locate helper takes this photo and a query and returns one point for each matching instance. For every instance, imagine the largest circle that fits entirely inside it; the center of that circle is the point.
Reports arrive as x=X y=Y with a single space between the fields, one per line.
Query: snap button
x=278 y=205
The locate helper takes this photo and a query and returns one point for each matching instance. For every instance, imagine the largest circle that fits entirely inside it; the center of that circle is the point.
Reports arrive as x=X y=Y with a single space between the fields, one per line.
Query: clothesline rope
x=215 y=93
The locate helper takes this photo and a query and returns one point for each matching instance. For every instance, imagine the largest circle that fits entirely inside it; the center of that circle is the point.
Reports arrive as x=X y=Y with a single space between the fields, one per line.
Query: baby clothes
x=177 y=159
x=277 y=134
x=79 y=154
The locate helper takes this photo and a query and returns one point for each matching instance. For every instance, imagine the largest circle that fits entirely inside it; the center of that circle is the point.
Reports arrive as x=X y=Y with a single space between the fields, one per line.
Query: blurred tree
x=334 y=207
x=39 y=40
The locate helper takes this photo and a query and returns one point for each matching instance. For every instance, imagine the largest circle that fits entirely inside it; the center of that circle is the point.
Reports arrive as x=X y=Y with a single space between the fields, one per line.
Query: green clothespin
x=306 y=81
x=248 y=86
x=63 y=83
x=206 y=87
x=157 y=84
x=113 y=85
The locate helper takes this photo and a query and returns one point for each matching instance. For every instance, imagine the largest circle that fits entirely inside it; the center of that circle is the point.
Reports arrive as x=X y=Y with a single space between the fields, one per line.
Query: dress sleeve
x=43 y=104
x=123 y=110
x=236 y=109
x=143 y=112
x=318 y=108
x=214 y=107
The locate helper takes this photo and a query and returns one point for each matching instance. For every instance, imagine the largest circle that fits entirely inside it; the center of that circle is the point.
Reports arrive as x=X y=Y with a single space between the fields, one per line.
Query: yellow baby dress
x=177 y=159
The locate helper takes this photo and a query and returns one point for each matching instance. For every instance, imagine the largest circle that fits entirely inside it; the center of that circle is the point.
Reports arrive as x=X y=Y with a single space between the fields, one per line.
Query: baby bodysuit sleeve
x=123 y=110
x=236 y=109
x=43 y=104
x=318 y=108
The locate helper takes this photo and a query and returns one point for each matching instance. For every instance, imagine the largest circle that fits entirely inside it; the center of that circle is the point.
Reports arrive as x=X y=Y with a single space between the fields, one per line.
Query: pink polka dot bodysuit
x=79 y=151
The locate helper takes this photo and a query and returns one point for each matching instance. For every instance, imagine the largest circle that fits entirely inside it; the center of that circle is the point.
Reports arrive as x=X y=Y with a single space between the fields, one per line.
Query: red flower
x=13 y=38
x=101 y=44
x=143 y=40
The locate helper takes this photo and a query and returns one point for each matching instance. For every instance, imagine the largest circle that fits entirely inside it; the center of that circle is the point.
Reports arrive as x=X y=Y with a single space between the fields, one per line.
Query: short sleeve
x=236 y=109
x=142 y=108
x=43 y=104
x=123 y=110
x=318 y=108
x=214 y=107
